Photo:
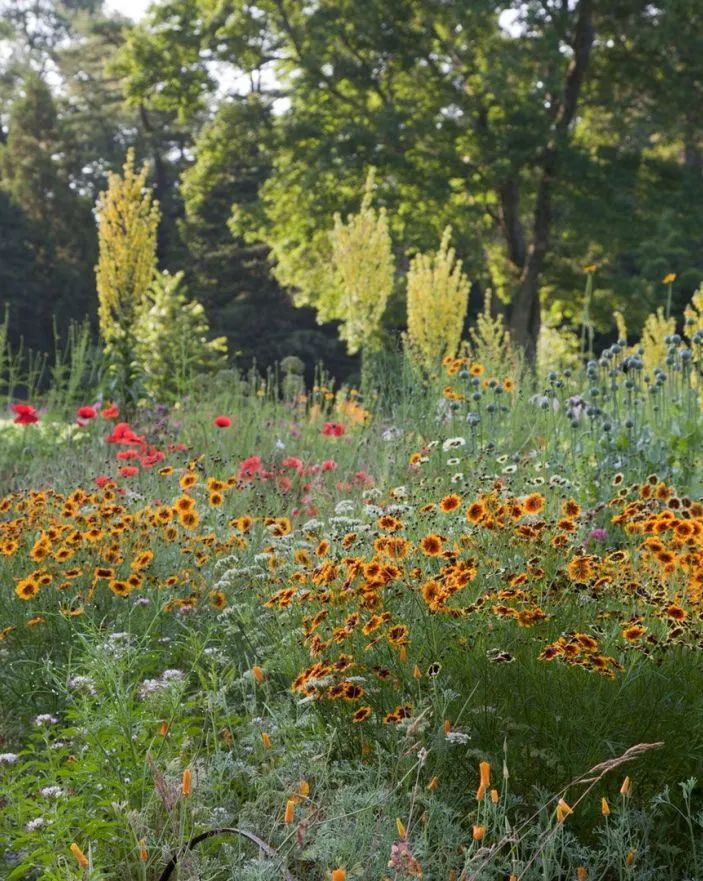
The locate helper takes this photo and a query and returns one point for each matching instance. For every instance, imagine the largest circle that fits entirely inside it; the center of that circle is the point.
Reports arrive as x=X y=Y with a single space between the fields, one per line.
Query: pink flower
x=87 y=413
x=223 y=421
x=25 y=414
x=333 y=429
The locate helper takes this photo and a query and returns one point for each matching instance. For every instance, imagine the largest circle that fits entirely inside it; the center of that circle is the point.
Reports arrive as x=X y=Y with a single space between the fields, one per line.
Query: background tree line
x=549 y=135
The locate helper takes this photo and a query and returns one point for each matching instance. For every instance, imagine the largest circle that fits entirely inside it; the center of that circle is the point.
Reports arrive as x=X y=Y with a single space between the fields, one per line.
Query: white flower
x=458 y=737
x=51 y=792
x=45 y=719
x=392 y=433
x=451 y=443
x=8 y=758
x=33 y=825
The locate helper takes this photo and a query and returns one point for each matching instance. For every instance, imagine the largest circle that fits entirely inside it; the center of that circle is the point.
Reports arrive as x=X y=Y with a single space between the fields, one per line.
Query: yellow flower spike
x=563 y=810
x=604 y=807
x=258 y=673
x=290 y=812
x=339 y=875
x=266 y=740
x=399 y=825
x=79 y=855
x=143 y=852
x=484 y=770
x=186 y=783
x=626 y=786
x=433 y=784
x=495 y=796
x=478 y=833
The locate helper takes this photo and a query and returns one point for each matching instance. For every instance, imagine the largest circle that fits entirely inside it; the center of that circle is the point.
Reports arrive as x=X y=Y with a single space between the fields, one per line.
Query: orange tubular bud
x=339 y=875
x=630 y=858
x=258 y=673
x=447 y=725
x=484 y=770
x=143 y=852
x=581 y=873
x=417 y=672
x=290 y=812
x=495 y=796
x=186 y=783
x=563 y=810
x=433 y=784
x=604 y=807
x=626 y=786
x=265 y=739
x=480 y=792
x=163 y=730
x=478 y=833
x=79 y=855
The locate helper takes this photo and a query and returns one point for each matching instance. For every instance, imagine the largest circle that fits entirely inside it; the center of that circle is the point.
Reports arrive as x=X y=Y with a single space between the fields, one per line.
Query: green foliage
x=171 y=340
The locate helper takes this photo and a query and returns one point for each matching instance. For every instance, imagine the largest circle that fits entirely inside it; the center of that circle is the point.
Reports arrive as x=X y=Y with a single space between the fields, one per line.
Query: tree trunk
x=525 y=312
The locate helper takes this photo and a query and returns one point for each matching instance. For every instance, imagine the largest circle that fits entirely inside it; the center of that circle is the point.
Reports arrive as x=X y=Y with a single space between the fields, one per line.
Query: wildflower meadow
x=351 y=440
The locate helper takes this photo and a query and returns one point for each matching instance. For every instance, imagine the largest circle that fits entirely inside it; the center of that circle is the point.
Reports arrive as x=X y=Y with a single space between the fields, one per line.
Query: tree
x=438 y=296
x=171 y=343
x=128 y=219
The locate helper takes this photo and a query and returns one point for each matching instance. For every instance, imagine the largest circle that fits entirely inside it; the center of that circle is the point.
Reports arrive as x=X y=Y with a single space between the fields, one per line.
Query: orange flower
x=339 y=875
x=163 y=729
x=478 y=833
x=304 y=788
x=265 y=739
x=626 y=786
x=186 y=783
x=433 y=784
x=484 y=770
x=80 y=856
x=258 y=673
x=581 y=873
x=495 y=796
x=290 y=812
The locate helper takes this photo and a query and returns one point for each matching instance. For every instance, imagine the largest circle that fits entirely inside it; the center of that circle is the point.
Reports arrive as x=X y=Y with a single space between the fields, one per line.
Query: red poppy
x=129 y=471
x=25 y=414
x=102 y=480
x=87 y=413
x=329 y=465
x=152 y=457
x=250 y=467
x=223 y=421
x=333 y=429
x=293 y=462
x=123 y=434
x=111 y=412
x=127 y=454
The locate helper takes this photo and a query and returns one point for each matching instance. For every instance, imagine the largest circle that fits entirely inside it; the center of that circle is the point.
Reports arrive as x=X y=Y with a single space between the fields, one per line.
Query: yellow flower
x=478 y=833
x=402 y=832
x=604 y=807
x=669 y=278
x=563 y=810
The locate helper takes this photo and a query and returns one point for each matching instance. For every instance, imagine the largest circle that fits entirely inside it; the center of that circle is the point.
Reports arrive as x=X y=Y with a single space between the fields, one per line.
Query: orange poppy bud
x=258 y=673
x=480 y=792
x=484 y=770
x=563 y=810
x=478 y=833
x=447 y=726
x=163 y=730
x=304 y=788
x=630 y=858
x=80 y=856
x=495 y=796
x=399 y=825
x=433 y=784
x=290 y=812
x=403 y=653
x=626 y=786
x=604 y=807
x=513 y=878
x=143 y=852
x=581 y=873
x=417 y=672
x=265 y=739
x=339 y=875
x=186 y=783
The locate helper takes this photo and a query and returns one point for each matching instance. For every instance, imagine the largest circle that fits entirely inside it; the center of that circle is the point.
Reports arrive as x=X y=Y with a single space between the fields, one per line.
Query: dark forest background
x=550 y=135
